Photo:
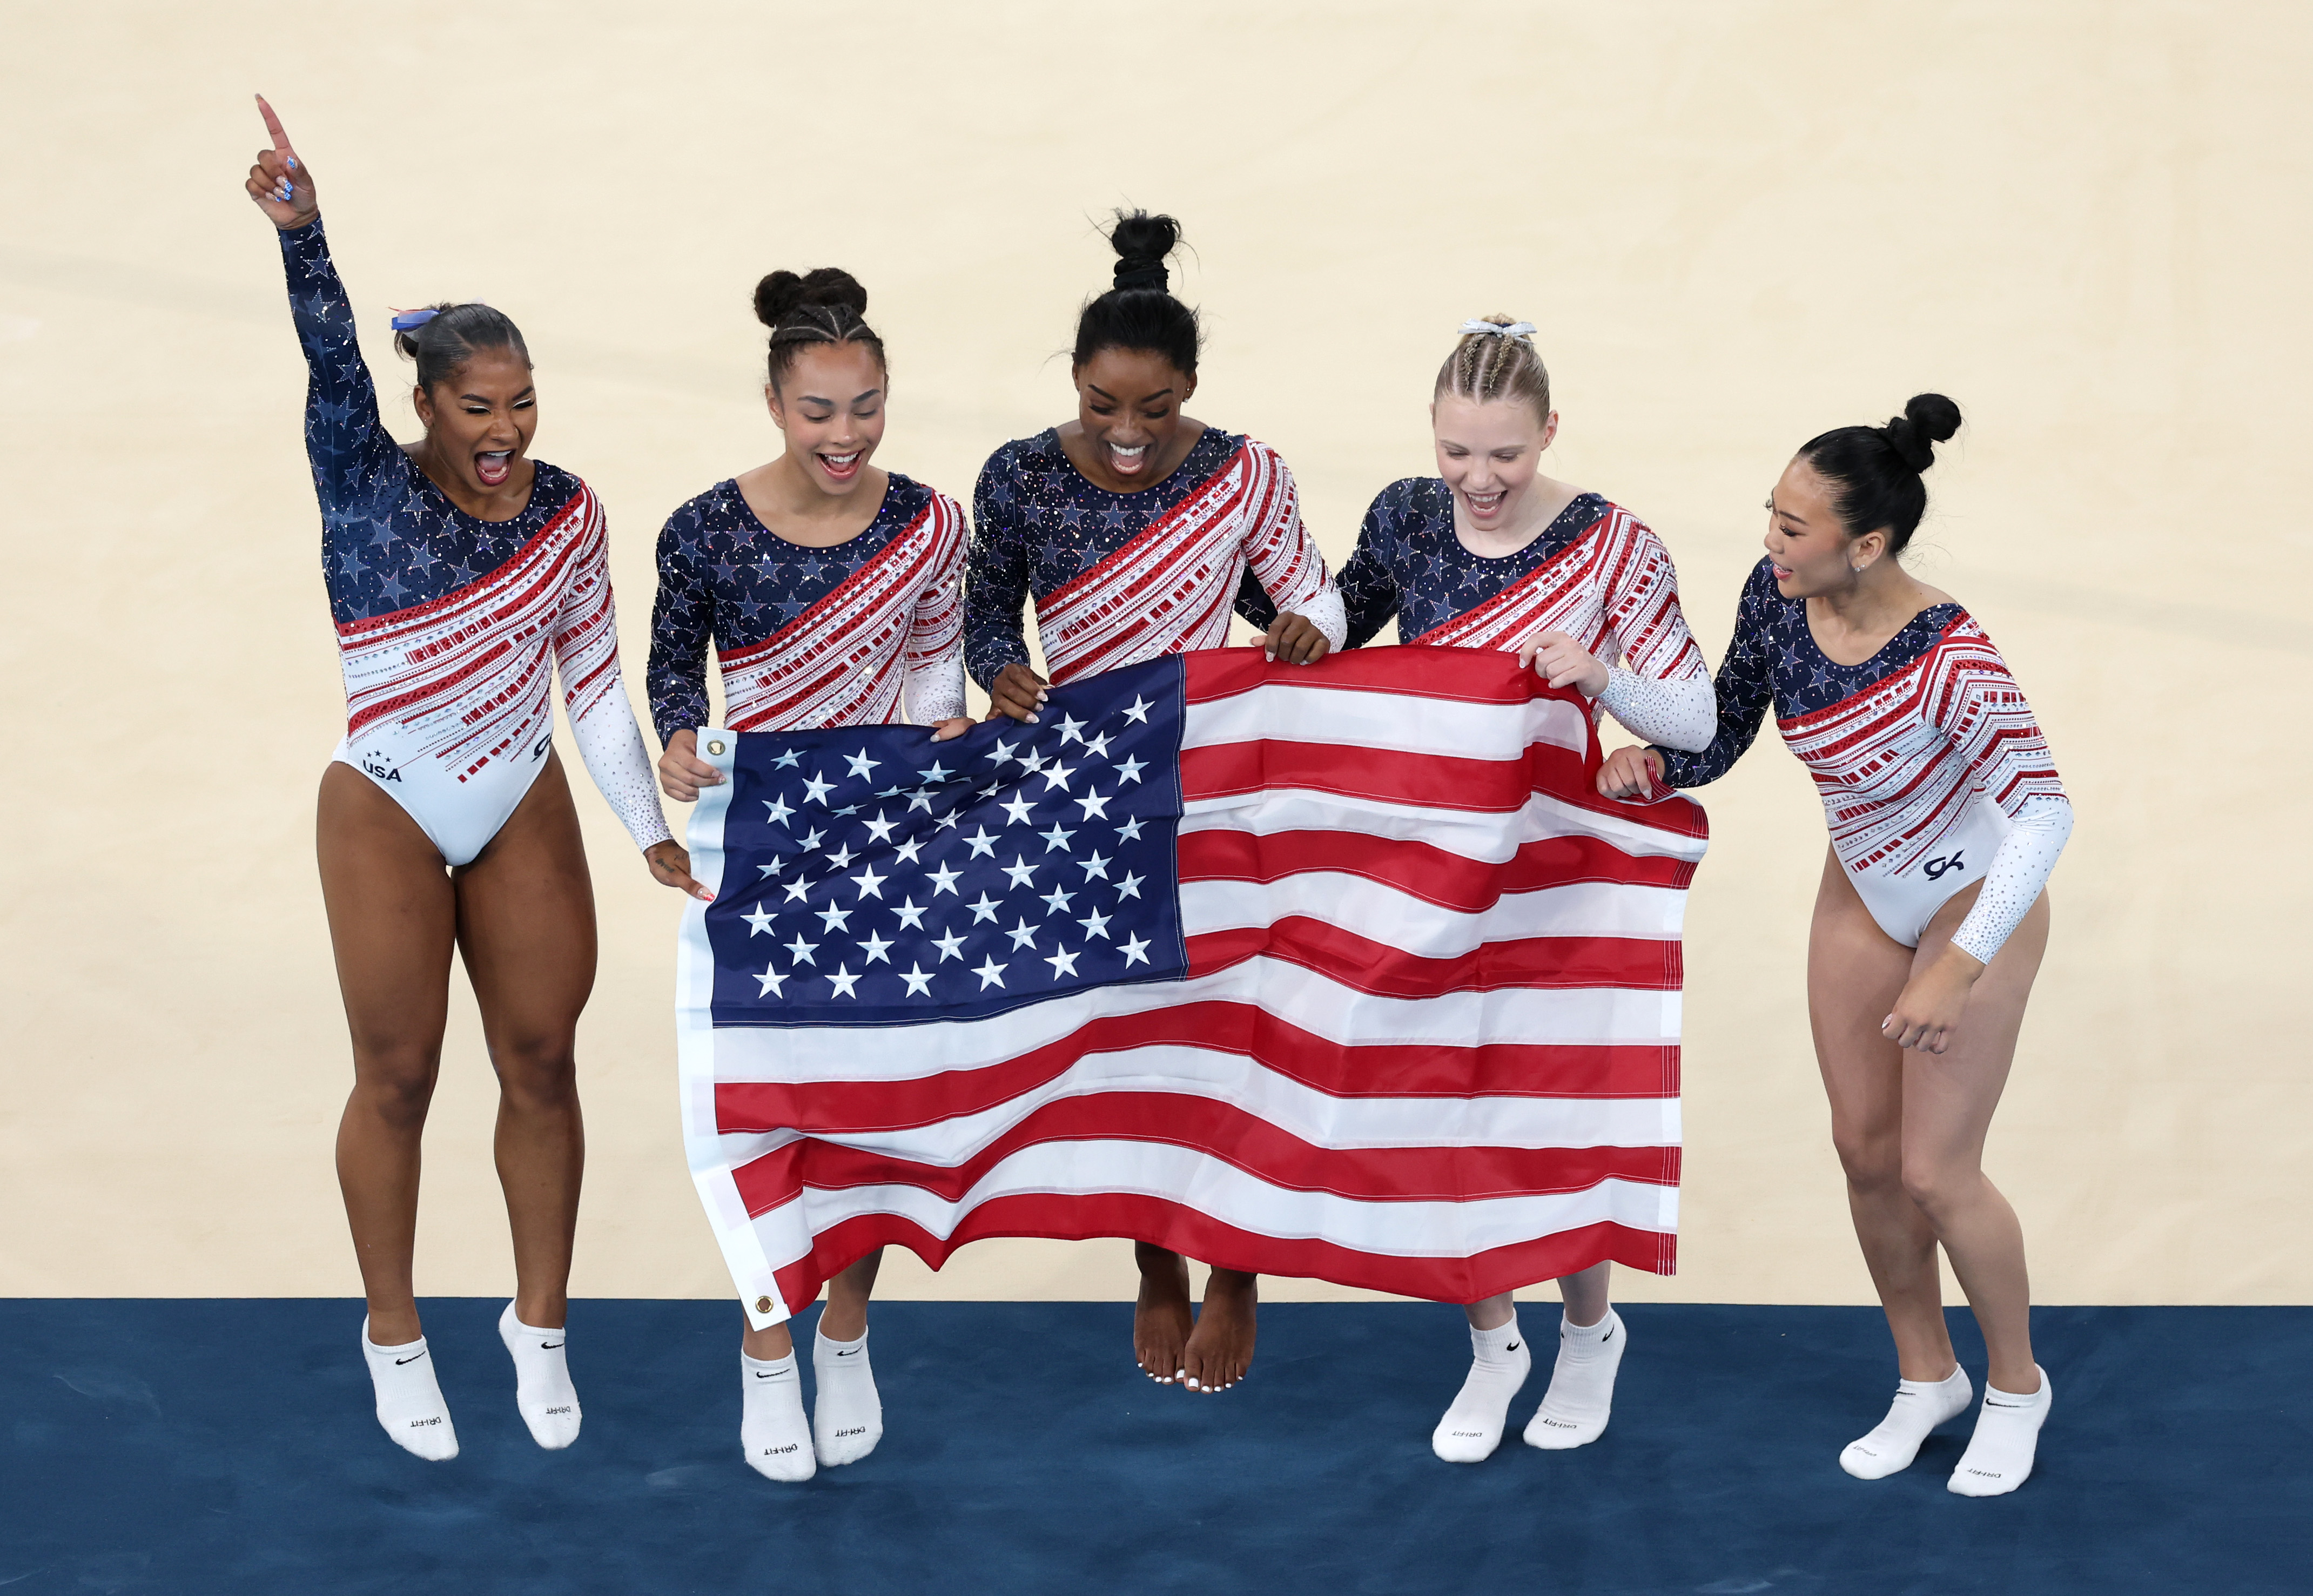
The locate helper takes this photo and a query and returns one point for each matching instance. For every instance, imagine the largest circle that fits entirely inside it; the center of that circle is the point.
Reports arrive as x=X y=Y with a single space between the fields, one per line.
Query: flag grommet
x=762 y=1305
x=716 y=747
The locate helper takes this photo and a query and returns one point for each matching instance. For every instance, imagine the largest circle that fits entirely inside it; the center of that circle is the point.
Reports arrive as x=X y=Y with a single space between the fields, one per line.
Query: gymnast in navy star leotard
x=463 y=578
x=827 y=588
x=1947 y=816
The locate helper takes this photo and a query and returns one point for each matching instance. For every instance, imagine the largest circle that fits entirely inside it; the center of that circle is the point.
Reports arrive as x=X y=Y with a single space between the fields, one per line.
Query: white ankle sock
x=772 y=1426
x=847 y=1416
x=410 y=1402
x=1920 y=1406
x=542 y=1391
x=1473 y=1426
x=1581 y=1396
x=1999 y=1455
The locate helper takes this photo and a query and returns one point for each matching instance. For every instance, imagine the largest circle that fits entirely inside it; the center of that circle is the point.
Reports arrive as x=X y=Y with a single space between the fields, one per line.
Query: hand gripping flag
x=1341 y=970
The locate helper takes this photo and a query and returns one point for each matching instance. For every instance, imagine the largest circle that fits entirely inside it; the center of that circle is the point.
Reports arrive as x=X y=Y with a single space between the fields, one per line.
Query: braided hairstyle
x=1874 y=471
x=826 y=305
x=457 y=333
x=1486 y=366
x=1140 y=313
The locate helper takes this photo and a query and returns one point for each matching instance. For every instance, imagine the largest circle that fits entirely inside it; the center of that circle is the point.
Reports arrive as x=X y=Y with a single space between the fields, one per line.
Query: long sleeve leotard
x=450 y=628
x=1122 y=577
x=846 y=635
x=1933 y=773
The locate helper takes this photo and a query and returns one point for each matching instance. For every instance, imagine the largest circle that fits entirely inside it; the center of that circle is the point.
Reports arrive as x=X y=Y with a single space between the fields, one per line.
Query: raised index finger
x=273 y=126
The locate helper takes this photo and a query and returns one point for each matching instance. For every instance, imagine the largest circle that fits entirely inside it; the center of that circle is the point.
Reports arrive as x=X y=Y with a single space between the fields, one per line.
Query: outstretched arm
x=345 y=442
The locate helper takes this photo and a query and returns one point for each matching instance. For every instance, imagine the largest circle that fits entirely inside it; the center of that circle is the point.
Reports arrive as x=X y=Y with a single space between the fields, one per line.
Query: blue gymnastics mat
x=228 y=1446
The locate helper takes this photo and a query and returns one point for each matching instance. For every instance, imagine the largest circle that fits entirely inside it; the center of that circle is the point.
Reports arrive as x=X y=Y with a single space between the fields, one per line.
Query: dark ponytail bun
x=1874 y=471
x=454 y=334
x=825 y=305
x=1140 y=313
x=1142 y=242
x=783 y=293
x=1928 y=419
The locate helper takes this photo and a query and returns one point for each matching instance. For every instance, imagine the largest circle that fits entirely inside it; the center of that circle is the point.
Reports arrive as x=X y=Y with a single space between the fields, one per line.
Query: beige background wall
x=1736 y=224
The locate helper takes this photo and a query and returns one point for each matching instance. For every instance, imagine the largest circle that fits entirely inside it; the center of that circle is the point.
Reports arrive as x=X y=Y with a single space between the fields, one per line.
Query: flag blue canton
x=874 y=877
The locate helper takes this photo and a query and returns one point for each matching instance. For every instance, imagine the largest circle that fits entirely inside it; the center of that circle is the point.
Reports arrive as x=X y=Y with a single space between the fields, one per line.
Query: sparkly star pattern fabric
x=872 y=878
x=1039 y=524
x=1774 y=659
x=1409 y=564
x=725 y=577
x=1926 y=755
x=1621 y=601
x=451 y=630
x=390 y=540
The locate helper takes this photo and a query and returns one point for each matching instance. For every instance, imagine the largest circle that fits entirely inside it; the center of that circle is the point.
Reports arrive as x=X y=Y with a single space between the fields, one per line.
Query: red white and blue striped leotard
x=1932 y=772
x=1123 y=577
x=1597 y=573
x=849 y=634
x=450 y=628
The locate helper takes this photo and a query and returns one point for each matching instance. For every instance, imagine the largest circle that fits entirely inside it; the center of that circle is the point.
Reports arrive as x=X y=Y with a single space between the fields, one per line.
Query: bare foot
x=1161 y=1317
x=1220 y=1349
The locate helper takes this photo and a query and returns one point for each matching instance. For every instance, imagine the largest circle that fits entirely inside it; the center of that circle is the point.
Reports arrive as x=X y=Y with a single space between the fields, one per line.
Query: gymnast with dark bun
x=1137 y=530
x=828 y=589
x=1947 y=816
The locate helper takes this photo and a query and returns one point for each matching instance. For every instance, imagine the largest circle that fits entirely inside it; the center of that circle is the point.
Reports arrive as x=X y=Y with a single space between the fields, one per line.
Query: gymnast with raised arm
x=463 y=576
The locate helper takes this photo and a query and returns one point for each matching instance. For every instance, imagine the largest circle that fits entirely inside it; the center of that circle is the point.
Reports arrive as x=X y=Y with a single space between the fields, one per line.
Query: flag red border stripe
x=1166 y=1223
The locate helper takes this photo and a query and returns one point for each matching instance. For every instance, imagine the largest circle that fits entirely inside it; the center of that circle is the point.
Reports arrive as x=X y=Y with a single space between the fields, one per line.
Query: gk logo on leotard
x=377 y=772
x=544 y=743
x=1937 y=866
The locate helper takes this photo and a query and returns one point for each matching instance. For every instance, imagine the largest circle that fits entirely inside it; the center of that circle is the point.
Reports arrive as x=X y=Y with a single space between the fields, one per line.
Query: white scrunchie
x=1515 y=330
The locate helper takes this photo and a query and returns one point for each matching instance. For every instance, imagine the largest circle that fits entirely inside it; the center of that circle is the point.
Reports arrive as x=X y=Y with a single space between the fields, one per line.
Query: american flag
x=1340 y=970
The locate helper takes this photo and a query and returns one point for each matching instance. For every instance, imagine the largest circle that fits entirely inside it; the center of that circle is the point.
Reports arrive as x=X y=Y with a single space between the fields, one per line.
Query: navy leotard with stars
x=1410 y=565
x=390 y=540
x=1774 y=659
x=1040 y=524
x=726 y=576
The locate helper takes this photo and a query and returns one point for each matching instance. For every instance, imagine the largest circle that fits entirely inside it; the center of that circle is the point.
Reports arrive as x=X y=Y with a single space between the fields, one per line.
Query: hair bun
x=1928 y=419
x=782 y=292
x=1142 y=242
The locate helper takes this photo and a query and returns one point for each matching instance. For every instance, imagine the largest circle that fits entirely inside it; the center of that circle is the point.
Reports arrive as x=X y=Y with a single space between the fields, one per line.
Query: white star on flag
x=759 y=921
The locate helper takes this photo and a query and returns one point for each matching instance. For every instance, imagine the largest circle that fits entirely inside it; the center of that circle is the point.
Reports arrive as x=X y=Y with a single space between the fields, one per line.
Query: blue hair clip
x=411 y=320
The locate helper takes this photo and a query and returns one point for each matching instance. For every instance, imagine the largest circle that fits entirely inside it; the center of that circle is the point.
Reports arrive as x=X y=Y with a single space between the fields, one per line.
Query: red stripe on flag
x=1433 y=781
x=1221 y=1131
x=1546 y=963
x=1372 y=1069
x=1185 y=1231
x=1451 y=881
x=1465 y=675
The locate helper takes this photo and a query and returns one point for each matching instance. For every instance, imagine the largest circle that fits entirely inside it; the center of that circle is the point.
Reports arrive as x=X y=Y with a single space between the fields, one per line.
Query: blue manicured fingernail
x=292 y=163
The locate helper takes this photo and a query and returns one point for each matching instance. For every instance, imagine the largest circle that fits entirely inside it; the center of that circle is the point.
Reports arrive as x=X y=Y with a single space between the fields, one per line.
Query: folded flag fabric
x=1341 y=970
